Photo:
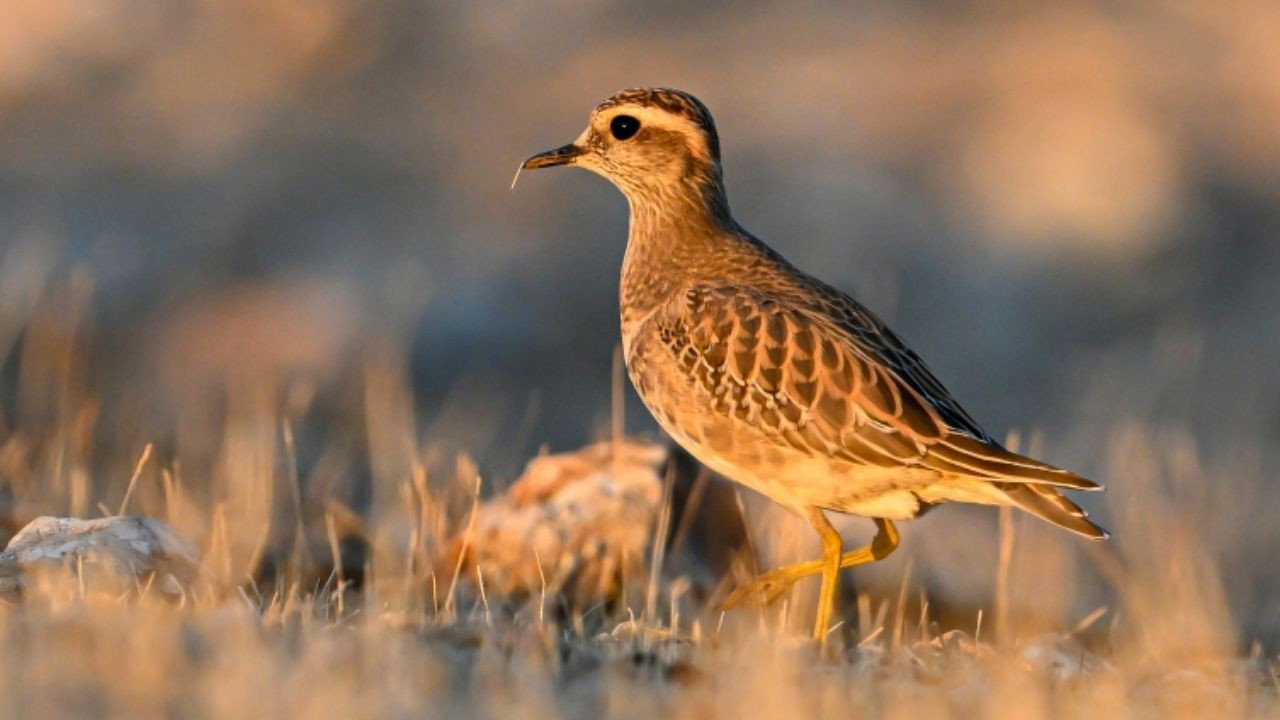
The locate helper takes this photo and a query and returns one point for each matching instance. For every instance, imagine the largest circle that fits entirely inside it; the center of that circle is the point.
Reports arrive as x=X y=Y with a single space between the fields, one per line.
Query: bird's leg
x=767 y=588
x=832 y=544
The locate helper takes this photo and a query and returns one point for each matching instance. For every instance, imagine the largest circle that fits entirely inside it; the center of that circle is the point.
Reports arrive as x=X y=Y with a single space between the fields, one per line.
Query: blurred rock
x=1061 y=657
x=111 y=555
x=578 y=522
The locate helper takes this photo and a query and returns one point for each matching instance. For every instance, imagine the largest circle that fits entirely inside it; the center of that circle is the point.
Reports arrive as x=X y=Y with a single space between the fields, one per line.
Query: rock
x=1061 y=657
x=584 y=517
x=112 y=555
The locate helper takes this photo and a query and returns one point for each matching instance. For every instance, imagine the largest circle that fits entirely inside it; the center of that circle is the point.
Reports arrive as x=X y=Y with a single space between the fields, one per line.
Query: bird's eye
x=624 y=127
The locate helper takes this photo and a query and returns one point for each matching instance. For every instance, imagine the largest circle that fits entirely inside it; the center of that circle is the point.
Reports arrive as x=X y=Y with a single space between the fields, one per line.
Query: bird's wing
x=829 y=378
x=878 y=343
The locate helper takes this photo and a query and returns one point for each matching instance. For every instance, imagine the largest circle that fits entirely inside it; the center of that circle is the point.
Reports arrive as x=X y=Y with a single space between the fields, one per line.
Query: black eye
x=624 y=126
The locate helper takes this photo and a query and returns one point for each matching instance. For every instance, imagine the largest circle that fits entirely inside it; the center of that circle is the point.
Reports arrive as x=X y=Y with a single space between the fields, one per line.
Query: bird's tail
x=1007 y=478
x=964 y=455
x=1046 y=503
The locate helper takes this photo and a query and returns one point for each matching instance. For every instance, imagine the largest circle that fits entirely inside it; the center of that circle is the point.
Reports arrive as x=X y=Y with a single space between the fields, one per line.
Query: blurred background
x=1071 y=210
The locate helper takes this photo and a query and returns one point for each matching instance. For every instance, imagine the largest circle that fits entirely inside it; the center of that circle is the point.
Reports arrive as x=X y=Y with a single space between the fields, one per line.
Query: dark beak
x=560 y=156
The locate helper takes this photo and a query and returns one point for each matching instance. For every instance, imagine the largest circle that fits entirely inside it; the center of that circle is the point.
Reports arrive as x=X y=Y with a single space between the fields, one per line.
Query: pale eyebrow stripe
x=658 y=117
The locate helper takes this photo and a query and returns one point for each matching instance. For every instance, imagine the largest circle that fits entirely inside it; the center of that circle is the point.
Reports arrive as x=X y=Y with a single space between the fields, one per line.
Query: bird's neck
x=676 y=238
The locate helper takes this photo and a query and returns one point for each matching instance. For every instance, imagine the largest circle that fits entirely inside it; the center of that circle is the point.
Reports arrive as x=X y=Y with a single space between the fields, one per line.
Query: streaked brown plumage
x=770 y=376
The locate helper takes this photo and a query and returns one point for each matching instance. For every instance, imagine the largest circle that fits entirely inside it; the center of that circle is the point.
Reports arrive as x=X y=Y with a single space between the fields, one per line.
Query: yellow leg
x=772 y=585
x=832 y=544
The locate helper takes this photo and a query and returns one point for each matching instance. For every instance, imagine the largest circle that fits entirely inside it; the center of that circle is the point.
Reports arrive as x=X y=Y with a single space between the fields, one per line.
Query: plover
x=772 y=377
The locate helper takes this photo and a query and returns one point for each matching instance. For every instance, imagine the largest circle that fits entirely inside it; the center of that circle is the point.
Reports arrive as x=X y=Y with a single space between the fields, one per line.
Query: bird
x=772 y=377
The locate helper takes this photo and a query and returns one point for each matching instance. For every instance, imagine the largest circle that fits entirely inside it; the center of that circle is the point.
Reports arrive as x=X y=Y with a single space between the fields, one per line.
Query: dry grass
x=324 y=596
x=251 y=387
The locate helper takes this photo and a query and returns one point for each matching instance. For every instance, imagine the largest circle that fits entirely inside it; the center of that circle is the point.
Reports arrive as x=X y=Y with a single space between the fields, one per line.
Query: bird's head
x=652 y=143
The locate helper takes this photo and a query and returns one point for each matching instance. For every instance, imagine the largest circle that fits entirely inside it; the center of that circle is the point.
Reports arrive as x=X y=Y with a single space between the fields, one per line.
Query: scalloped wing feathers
x=848 y=388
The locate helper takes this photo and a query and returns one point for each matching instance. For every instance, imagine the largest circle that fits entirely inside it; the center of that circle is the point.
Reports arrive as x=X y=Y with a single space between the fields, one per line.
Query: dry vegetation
x=318 y=601
x=221 y=221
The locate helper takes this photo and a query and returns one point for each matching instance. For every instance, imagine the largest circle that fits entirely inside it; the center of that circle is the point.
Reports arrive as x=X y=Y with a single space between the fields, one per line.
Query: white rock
x=111 y=554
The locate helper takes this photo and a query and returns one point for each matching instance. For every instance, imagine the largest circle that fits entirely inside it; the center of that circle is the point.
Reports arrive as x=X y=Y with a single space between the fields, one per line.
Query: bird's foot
x=765 y=589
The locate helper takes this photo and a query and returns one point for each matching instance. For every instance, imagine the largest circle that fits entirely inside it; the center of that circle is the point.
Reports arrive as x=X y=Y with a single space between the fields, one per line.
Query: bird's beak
x=560 y=156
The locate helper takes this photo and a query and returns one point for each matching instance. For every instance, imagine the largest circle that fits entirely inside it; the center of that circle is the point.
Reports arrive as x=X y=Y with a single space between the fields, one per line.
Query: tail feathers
x=1046 y=503
x=964 y=455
